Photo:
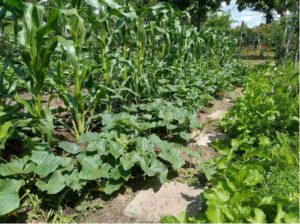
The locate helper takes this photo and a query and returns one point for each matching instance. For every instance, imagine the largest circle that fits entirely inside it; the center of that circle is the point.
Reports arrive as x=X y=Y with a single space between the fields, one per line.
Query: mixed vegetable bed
x=256 y=177
x=95 y=93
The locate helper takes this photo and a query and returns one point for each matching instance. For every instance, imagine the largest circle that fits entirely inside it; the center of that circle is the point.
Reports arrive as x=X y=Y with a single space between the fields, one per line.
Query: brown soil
x=112 y=211
x=54 y=102
x=64 y=135
x=218 y=105
x=211 y=126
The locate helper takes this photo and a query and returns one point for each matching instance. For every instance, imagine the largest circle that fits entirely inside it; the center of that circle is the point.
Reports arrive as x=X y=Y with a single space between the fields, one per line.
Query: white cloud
x=251 y=18
x=248 y=18
x=223 y=4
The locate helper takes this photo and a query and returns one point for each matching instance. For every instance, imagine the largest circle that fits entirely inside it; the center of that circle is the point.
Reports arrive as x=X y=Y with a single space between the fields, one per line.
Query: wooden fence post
x=290 y=35
x=241 y=40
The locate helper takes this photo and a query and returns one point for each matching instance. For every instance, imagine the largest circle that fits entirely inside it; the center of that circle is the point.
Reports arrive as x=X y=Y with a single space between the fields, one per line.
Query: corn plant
x=38 y=46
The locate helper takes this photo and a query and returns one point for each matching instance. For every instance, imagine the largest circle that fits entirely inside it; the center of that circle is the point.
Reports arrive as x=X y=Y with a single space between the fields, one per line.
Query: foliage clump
x=256 y=178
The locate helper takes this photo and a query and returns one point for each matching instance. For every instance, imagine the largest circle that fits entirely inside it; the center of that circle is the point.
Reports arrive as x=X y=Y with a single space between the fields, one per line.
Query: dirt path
x=113 y=211
x=151 y=201
x=209 y=117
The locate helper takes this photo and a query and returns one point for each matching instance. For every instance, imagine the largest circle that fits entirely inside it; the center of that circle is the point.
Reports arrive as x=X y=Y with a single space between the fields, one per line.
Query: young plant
x=38 y=45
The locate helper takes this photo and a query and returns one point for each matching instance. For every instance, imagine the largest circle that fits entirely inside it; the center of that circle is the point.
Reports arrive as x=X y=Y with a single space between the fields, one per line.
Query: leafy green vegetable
x=70 y=147
x=9 y=195
x=54 y=185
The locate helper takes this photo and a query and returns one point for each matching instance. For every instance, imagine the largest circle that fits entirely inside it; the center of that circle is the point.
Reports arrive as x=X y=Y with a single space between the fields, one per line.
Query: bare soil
x=112 y=211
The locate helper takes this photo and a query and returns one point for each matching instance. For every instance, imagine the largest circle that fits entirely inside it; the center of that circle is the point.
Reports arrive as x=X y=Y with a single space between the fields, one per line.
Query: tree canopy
x=198 y=8
x=268 y=6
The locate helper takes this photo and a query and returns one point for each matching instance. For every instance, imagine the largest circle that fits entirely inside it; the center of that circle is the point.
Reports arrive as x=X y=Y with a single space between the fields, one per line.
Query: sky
x=251 y=18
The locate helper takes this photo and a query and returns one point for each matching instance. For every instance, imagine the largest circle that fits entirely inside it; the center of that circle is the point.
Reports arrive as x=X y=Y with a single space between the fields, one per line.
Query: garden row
x=95 y=93
x=256 y=177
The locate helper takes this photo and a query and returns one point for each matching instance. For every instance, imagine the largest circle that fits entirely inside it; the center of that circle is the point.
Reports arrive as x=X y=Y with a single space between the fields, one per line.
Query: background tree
x=198 y=8
x=264 y=6
x=268 y=6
